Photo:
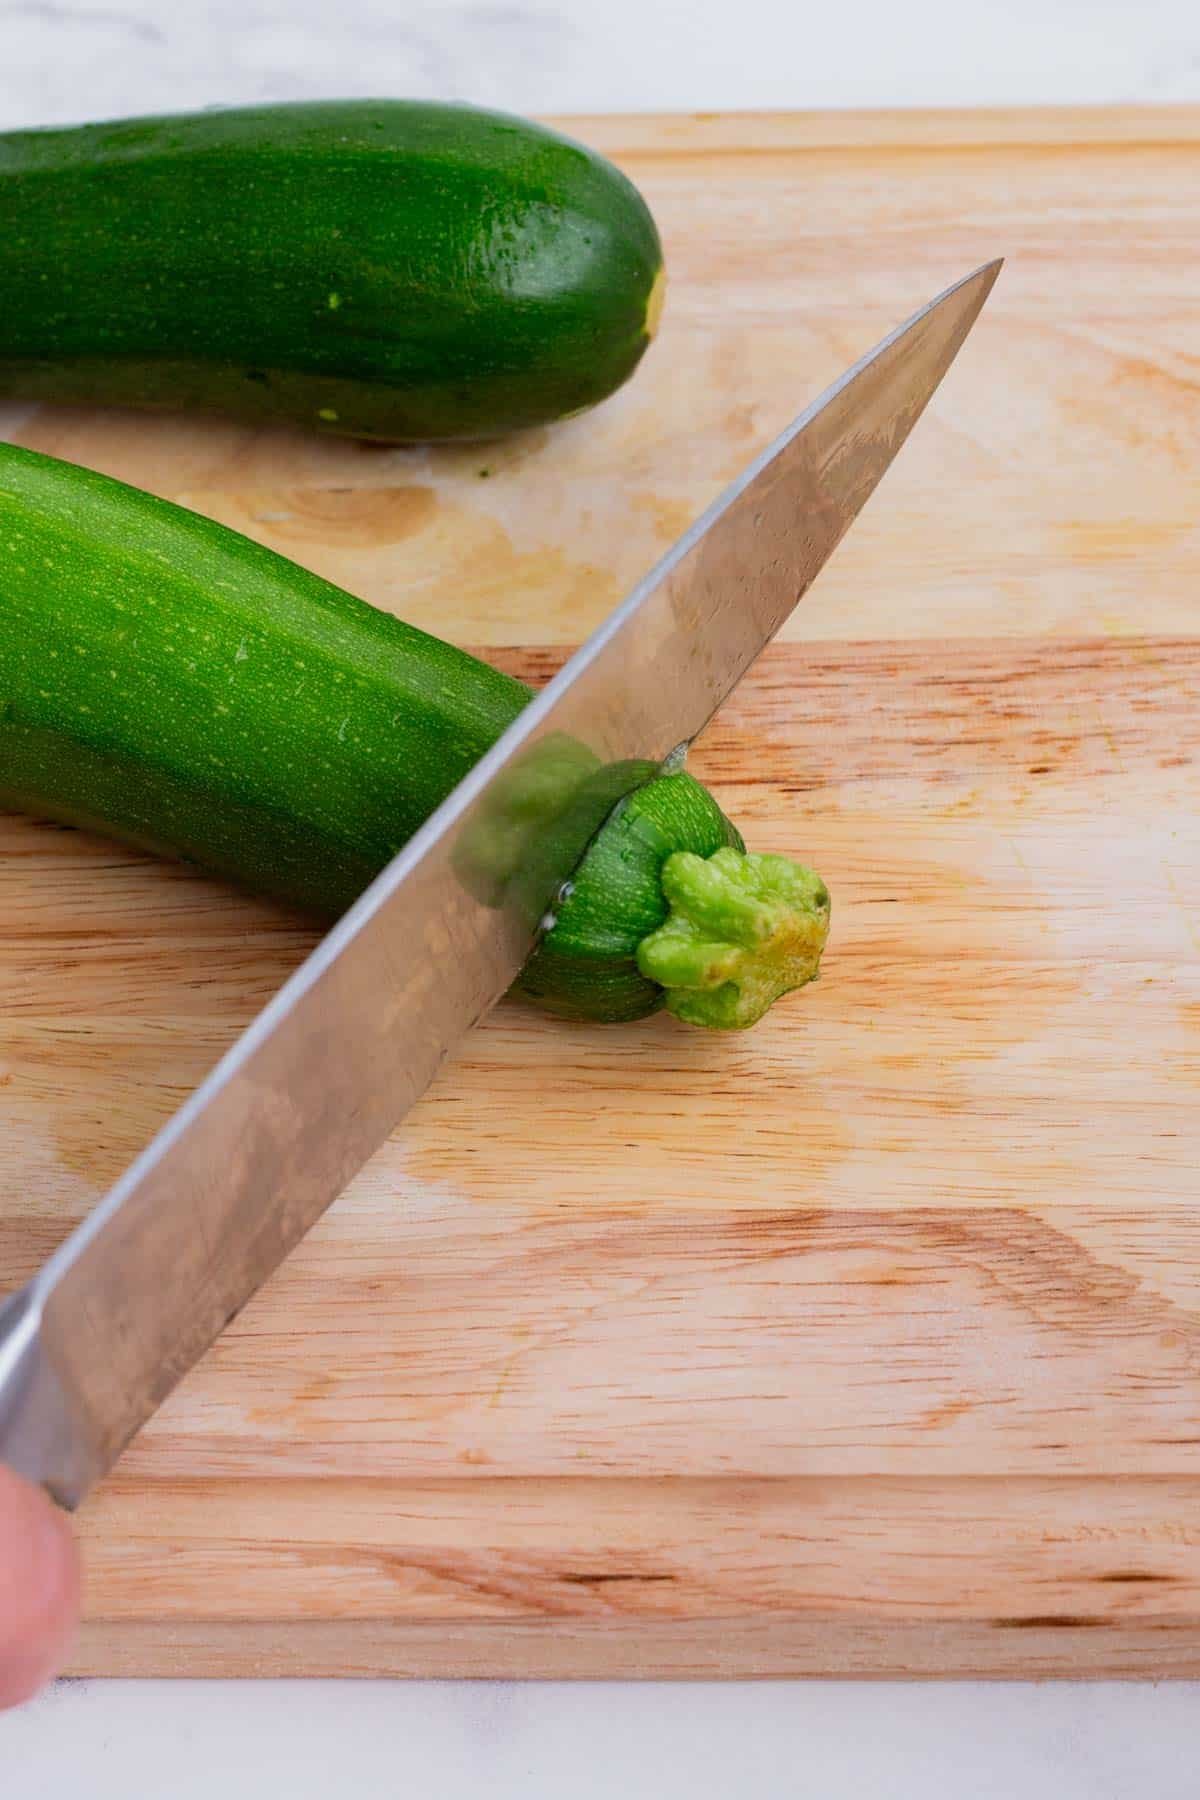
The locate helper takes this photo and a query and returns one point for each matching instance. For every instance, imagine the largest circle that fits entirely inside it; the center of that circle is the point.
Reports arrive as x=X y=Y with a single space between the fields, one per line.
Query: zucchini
x=170 y=683
x=382 y=269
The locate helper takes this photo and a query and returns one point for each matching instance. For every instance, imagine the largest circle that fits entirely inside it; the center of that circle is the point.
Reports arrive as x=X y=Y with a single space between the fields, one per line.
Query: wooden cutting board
x=870 y=1341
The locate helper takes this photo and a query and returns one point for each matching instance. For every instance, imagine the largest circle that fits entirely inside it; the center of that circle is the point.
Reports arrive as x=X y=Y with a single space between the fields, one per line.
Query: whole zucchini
x=168 y=682
x=378 y=268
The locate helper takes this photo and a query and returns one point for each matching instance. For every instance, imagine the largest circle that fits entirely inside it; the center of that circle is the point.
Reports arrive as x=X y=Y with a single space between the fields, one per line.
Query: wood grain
x=868 y=1342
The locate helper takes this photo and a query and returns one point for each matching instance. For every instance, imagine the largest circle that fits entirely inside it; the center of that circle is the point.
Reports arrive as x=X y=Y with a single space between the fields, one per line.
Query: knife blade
x=95 y=1342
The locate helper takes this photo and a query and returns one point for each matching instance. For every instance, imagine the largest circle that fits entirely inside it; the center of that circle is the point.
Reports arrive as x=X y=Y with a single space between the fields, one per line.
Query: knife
x=96 y=1341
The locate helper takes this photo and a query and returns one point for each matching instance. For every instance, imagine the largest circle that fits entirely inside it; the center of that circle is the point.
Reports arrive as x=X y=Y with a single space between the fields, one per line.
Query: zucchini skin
x=586 y=967
x=168 y=682
x=385 y=269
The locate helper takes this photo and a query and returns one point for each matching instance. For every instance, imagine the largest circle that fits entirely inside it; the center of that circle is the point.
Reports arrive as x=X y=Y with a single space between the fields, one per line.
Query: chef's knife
x=140 y=1290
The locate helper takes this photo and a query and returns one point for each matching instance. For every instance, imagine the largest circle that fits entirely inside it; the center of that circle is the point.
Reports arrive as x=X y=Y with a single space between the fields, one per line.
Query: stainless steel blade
x=93 y=1345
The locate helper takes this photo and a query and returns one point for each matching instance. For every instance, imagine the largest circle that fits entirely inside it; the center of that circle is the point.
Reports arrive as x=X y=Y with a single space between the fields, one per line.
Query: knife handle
x=39 y=1438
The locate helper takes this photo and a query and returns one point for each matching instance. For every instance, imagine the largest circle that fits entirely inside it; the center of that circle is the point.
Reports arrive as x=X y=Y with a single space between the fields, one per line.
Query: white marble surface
x=508 y=1741
x=71 y=59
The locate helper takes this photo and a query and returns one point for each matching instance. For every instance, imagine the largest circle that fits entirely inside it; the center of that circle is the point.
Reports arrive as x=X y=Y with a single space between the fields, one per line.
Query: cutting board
x=868 y=1341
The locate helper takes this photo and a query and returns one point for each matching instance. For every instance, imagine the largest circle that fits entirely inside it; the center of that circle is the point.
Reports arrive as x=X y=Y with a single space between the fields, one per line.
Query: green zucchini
x=169 y=683
x=382 y=269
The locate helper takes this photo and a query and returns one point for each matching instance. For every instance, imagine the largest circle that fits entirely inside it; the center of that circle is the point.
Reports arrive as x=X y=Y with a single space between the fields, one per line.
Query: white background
x=64 y=60
x=74 y=59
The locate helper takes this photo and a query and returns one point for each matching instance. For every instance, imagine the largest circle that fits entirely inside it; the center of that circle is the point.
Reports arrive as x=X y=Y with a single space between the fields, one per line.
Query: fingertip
x=39 y=1588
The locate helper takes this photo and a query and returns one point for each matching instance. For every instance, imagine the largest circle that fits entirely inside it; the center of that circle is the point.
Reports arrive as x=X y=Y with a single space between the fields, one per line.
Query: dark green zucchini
x=170 y=683
x=378 y=268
